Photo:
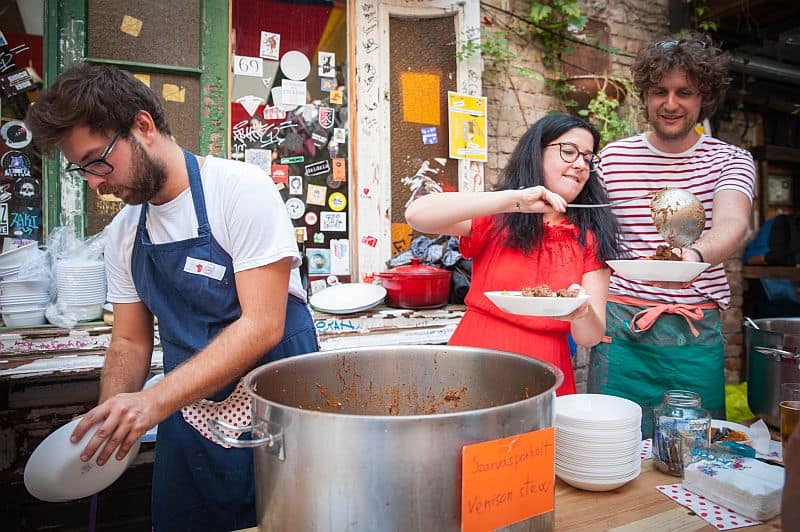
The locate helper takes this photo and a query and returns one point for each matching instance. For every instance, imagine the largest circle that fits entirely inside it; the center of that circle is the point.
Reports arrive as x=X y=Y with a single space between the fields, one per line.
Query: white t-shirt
x=246 y=214
x=633 y=167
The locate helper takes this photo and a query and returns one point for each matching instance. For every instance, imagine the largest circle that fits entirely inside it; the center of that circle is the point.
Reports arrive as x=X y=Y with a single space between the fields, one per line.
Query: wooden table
x=635 y=507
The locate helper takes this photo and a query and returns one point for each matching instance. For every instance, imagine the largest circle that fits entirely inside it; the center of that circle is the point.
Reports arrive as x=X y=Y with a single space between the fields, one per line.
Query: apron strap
x=645 y=319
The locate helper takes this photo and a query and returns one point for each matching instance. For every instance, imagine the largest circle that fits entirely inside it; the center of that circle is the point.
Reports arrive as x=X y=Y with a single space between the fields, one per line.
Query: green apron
x=642 y=366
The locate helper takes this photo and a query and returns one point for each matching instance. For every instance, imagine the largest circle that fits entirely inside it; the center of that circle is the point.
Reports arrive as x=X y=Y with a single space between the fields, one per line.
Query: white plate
x=514 y=302
x=658 y=270
x=295 y=65
x=55 y=472
x=721 y=423
x=347 y=298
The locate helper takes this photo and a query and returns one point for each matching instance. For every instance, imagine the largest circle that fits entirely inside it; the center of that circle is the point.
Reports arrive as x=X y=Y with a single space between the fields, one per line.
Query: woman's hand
x=539 y=199
x=582 y=311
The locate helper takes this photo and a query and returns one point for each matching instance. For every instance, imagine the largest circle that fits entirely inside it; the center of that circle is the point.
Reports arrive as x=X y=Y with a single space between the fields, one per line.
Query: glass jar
x=682 y=431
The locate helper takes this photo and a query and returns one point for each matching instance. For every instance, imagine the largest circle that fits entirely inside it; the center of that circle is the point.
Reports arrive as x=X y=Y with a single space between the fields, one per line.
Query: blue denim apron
x=197 y=484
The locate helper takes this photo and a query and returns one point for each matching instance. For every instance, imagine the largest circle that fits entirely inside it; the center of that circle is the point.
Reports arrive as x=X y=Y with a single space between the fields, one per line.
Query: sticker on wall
x=144 y=78
x=26 y=222
x=260 y=158
x=15 y=164
x=295 y=65
x=270 y=46
x=3 y=218
x=15 y=134
x=430 y=135
x=318 y=168
x=319 y=261
x=5 y=192
x=295 y=185
x=292 y=160
x=319 y=238
x=250 y=103
x=332 y=184
x=332 y=221
x=311 y=218
x=173 y=93
x=340 y=256
x=27 y=191
x=293 y=92
x=327 y=84
x=337 y=96
x=277 y=99
x=337 y=201
x=318 y=140
x=326 y=64
x=301 y=234
x=16 y=82
x=339 y=173
x=326 y=116
x=272 y=112
x=296 y=208
x=316 y=195
x=280 y=173
x=339 y=135
x=244 y=65
x=365 y=193
x=3 y=41
x=131 y=26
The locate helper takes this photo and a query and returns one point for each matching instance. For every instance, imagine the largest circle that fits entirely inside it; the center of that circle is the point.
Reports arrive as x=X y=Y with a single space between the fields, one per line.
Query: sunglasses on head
x=673 y=42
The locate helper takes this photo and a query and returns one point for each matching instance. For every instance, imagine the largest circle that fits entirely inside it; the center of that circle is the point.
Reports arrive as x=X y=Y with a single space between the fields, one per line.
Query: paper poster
x=429 y=135
x=270 y=45
x=337 y=97
x=419 y=94
x=244 y=65
x=293 y=92
x=316 y=194
x=327 y=84
x=340 y=256
x=467 y=127
x=250 y=103
x=326 y=64
x=144 y=78
x=296 y=185
x=260 y=158
x=332 y=221
x=173 y=93
x=131 y=25
x=319 y=261
x=339 y=135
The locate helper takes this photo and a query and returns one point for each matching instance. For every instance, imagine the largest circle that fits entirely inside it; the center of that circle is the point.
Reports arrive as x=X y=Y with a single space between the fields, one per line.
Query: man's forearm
x=125 y=370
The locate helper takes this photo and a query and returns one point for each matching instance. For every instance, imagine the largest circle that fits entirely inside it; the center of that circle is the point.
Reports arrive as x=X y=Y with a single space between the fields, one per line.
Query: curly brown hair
x=705 y=65
x=104 y=98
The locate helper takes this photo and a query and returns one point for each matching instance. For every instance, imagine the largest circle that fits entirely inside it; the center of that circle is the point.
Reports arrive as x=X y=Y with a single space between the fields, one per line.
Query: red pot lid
x=417 y=269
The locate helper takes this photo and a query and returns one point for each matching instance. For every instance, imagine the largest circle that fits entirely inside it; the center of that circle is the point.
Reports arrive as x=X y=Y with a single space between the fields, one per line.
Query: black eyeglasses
x=569 y=153
x=100 y=166
x=672 y=42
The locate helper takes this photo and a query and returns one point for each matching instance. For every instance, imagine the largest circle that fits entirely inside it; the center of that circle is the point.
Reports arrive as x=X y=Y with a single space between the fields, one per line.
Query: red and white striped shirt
x=633 y=167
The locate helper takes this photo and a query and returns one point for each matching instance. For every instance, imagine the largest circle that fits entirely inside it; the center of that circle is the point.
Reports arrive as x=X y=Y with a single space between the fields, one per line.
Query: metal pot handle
x=775 y=352
x=273 y=440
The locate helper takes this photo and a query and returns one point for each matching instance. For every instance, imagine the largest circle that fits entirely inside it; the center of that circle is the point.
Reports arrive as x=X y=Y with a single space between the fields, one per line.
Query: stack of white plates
x=598 y=438
x=12 y=260
x=23 y=302
x=81 y=286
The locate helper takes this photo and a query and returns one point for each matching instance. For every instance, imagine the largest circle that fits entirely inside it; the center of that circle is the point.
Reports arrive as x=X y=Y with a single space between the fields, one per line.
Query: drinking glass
x=790 y=410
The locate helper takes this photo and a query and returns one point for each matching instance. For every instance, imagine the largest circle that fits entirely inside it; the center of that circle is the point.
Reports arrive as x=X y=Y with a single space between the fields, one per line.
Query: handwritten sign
x=505 y=481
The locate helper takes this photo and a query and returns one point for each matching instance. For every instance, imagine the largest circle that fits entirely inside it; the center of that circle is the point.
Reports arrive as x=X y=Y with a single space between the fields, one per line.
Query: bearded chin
x=149 y=176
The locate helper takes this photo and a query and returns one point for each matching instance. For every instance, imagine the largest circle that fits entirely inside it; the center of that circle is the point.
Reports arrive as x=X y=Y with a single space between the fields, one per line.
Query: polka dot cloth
x=717 y=516
x=235 y=410
x=647 y=449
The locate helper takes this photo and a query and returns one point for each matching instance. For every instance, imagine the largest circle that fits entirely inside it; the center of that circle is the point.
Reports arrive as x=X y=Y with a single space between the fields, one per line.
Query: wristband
x=699 y=255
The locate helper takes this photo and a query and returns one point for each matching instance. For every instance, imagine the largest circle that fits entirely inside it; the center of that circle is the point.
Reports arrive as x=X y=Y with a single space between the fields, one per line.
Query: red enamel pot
x=416 y=285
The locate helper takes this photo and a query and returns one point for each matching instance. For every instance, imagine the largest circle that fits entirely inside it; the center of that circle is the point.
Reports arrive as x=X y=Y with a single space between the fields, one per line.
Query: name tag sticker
x=204 y=267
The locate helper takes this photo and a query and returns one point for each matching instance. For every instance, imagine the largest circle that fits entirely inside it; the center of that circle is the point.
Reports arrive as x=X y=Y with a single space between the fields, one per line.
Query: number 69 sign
x=244 y=65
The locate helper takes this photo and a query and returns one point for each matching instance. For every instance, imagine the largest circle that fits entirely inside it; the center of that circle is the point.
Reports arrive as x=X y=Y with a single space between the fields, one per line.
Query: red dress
x=558 y=262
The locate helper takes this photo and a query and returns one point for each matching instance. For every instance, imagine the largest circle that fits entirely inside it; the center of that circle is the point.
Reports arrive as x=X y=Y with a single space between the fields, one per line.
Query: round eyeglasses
x=569 y=153
x=100 y=166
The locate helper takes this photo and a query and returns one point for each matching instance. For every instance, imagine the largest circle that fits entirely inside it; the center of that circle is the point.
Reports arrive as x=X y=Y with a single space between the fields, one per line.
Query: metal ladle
x=678 y=215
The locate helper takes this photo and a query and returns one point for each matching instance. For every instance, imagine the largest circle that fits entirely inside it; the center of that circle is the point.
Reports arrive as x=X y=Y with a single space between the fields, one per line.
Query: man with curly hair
x=664 y=336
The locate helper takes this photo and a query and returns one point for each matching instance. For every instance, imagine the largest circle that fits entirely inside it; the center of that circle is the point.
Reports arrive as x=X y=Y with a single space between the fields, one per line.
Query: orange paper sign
x=508 y=480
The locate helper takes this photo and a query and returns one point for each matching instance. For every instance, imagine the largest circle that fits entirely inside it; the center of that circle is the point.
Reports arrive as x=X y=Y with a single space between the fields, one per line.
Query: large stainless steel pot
x=772 y=359
x=371 y=438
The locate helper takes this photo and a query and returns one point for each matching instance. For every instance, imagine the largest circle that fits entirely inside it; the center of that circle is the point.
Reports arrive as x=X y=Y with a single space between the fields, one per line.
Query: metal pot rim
x=250 y=377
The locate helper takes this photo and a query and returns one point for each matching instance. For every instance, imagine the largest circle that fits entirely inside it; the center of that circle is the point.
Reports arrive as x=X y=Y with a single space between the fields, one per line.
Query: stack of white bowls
x=23 y=301
x=11 y=261
x=81 y=286
x=598 y=438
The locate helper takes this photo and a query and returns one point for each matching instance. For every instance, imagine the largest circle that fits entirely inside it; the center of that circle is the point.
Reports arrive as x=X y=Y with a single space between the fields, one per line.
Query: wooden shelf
x=771 y=272
x=776 y=154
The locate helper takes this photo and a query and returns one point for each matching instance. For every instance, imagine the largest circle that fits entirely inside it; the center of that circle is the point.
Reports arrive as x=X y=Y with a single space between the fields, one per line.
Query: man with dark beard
x=667 y=335
x=206 y=246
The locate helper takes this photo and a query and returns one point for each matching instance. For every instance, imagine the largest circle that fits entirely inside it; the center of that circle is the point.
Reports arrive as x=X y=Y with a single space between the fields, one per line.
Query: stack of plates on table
x=11 y=261
x=23 y=302
x=81 y=288
x=347 y=298
x=598 y=438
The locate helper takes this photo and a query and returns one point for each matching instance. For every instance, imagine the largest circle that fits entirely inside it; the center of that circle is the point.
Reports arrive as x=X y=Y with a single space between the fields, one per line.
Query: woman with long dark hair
x=523 y=235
